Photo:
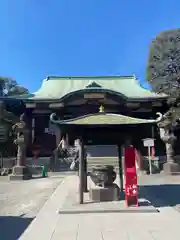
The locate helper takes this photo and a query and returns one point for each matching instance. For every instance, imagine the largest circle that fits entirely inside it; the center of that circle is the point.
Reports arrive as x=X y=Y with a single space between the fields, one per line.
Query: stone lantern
x=168 y=137
x=20 y=170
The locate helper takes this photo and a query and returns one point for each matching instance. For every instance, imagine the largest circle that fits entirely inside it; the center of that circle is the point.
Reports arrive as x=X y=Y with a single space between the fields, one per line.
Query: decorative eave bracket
x=111 y=119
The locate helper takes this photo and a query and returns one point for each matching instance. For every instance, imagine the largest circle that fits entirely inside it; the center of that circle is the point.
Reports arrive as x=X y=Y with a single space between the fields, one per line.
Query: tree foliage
x=9 y=87
x=163 y=70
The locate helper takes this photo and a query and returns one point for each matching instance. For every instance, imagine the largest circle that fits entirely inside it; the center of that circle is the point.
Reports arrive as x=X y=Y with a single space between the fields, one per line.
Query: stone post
x=20 y=170
x=168 y=137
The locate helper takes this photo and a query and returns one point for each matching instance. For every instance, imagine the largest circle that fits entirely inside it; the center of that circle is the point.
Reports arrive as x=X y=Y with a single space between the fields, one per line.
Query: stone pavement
x=50 y=225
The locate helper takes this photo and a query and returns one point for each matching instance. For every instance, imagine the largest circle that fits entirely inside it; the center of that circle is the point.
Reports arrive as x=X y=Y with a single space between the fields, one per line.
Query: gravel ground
x=27 y=197
x=20 y=201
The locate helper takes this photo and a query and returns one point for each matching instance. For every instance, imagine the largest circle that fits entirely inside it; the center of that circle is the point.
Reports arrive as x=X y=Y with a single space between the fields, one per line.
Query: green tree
x=9 y=87
x=163 y=69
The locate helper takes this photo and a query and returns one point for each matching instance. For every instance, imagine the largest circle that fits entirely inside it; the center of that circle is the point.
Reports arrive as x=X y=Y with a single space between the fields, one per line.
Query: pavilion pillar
x=120 y=167
x=33 y=123
x=67 y=137
x=85 y=173
x=81 y=171
x=168 y=137
x=58 y=135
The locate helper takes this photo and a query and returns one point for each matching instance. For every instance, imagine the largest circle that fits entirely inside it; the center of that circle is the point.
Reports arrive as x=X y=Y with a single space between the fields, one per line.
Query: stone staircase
x=96 y=155
x=102 y=155
x=63 y=165
x=94 y=161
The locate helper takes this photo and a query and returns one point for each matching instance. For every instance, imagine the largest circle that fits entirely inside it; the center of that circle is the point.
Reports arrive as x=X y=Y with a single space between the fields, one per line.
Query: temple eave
x=104 y=119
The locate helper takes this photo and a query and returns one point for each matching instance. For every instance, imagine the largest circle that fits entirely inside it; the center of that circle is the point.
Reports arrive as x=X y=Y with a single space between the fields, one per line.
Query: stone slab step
x=71 y=205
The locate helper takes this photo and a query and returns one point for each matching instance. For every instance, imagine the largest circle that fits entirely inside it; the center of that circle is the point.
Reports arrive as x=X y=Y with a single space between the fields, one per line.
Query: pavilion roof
x=104 y=119
x=56 y=88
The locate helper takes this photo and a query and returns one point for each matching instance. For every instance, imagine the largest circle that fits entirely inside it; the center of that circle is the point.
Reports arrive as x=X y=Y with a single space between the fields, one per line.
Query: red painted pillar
x=131 y=186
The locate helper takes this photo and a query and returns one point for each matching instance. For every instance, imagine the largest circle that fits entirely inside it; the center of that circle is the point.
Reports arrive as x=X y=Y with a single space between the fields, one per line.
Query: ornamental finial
x=101 y=109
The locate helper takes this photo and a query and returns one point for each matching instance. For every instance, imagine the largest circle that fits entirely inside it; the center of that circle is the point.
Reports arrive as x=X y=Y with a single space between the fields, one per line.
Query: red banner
x=131 y=186
x=153 y=152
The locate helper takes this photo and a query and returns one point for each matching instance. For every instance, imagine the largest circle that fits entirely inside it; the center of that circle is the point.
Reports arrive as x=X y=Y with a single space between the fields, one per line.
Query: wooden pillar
x=33 y=123
x=81 y=171
x=58 y=135
x=67 y=137
x=120 y=167
x=85 y=173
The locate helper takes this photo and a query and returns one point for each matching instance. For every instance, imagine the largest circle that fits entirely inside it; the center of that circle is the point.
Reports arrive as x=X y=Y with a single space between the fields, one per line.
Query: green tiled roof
x=57 y=87
x=104 y=119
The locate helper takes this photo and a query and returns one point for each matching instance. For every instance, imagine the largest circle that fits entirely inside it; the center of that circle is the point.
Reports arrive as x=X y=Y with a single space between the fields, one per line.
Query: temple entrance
x=100 y=144
x=86 y=129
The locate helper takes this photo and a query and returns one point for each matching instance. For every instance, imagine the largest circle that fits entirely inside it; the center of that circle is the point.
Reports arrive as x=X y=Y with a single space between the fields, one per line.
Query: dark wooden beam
x=120 y=167
x=30 y=105
x=56 y=105
x=41 y=111
x=85 y=172
x=81 y=171
x=132 y=105
x=94 y=95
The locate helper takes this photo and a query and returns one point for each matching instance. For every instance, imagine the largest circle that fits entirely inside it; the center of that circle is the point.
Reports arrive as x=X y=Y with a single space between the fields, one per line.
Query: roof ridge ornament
x=93 y=84
x=159 y=118
x=101 y=109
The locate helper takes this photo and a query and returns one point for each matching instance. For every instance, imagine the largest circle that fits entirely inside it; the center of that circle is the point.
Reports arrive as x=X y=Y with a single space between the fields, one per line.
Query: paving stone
x=65 y=236
x=98 y=226
x=72 y=206
x=89 y=234
x=166 y=235
x=109 y=235
x=140 y=234
x=45 y=222
x=67 y=223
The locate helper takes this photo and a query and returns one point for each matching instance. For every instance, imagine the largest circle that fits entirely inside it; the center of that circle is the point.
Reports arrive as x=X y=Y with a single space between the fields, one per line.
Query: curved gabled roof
x=58 y=87
x=103 y=118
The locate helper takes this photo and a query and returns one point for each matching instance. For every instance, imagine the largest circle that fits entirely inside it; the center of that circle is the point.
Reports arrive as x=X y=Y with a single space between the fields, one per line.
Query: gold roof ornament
x=101 y=109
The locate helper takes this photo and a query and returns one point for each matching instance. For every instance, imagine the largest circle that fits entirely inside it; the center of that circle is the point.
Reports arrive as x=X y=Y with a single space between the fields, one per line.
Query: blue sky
x=80 y=37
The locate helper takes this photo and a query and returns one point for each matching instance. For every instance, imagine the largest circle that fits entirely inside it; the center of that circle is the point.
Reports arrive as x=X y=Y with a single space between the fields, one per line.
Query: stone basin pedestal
x=104 y=188
x=20 y=173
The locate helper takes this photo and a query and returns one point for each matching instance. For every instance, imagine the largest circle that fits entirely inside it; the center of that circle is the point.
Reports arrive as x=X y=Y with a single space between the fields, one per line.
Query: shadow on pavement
x=161 y=195
x=11 y=227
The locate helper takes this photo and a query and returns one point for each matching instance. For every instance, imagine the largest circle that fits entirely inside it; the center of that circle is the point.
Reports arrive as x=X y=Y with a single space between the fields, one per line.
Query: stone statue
x=169 y=138
x=166 y=127
x=21 y=132
x=21 y=171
